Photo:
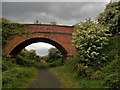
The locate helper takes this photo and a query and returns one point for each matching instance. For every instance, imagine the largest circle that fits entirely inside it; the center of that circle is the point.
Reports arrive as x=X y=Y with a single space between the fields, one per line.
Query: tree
x=37 y=22
x=30 y=54
x=5 y=20
x=45 y=58
x=111 y=17
x=88 y=40
x=54 y=54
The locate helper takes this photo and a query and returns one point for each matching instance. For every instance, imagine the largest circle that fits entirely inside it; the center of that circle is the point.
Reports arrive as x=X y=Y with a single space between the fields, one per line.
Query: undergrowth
x=107 y=76
x=18 y=75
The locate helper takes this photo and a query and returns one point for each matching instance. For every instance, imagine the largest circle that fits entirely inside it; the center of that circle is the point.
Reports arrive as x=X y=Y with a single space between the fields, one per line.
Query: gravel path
x=45 y=79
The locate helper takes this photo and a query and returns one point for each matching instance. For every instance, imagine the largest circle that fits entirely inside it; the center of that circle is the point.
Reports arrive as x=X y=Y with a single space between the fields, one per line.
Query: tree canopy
x=54 y=54
x=111 y=17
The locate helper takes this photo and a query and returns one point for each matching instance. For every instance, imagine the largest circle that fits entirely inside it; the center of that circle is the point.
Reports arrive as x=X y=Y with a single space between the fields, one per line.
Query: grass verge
x=17 y=76
x=70 y=80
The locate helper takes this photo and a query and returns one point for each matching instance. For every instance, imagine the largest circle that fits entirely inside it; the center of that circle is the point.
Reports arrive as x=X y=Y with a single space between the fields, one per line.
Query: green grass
x=85 y=83
x=67 y=79
x=16 y=75
x=70 y=80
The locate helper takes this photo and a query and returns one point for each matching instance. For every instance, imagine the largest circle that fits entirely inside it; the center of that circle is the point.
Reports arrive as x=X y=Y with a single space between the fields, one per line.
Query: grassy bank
x=18 y=77
x=70 y=80
x=106 y=77
x=15 y=75
x=66 y=78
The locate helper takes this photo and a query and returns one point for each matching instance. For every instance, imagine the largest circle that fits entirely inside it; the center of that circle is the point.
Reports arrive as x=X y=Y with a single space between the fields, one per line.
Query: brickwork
x=59 y=36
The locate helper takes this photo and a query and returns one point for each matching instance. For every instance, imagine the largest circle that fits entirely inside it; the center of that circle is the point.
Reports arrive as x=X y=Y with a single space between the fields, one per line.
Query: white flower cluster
x=89 y=38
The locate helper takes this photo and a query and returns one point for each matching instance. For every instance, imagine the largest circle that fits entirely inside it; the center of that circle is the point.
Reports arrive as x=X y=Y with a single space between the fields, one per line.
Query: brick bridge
x=58 y=36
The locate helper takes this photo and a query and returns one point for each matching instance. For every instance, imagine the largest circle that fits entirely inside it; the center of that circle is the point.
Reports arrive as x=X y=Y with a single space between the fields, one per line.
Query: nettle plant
x=89 y=40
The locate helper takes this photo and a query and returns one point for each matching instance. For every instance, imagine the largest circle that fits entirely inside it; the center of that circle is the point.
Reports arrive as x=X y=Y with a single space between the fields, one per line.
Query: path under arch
x=45 y=79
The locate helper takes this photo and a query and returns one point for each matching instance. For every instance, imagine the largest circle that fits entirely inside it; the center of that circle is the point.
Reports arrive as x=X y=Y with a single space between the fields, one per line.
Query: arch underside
x=22 y=45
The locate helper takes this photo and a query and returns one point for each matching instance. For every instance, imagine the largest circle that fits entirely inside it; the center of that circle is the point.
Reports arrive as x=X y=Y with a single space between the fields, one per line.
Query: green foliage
x=111 y=17
x=54 y=54
x=97 y=75
x=15 y=77
x=4 y=20
x=31 y=54
x=83 y=71
x=112 y=81
x=55 y=58
x=92 y=37
x=89 y=40
x=69 y=80
x=6 y=64
x=111 y=74
x=113 y=50
x=71 y=65
x=45 y=58
x=27 y=58
x=56 y=63
x=18 y=74
x=10 y=29
x=23 y=61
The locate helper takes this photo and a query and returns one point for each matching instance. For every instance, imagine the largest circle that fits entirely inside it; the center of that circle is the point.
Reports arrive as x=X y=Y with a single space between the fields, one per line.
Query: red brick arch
x=59 y=36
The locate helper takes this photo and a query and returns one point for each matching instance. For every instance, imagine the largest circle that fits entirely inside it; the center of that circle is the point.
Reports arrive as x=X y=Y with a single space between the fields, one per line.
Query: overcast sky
x=40 y=47
x=55 y=0
x=66 y=13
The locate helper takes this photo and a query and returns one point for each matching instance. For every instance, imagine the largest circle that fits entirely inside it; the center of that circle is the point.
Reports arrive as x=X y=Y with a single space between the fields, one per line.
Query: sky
x=64 y=13
x=40 y=47
x=55 y=0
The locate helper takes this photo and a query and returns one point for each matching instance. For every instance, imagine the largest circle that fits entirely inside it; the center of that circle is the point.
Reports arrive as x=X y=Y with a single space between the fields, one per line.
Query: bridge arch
x=22 y=45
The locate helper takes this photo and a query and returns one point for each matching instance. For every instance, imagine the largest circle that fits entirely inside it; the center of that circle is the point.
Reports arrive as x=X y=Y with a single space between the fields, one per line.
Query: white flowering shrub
x=88 y=40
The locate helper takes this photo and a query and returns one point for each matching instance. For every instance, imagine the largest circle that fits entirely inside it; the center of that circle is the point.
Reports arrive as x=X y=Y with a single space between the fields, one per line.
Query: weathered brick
x=59 y=36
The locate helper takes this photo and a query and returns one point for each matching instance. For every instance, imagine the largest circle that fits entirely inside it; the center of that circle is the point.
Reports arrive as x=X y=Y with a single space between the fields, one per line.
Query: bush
x=73 y=63
x=26 y=62
x=97 y=74
x=111 y=17
x=83 y=71
x=8 y=76
x=89 y=40
x=112 y=66
x=16 y=75
x=112 y=81
x=56 y=63
x=6 y=64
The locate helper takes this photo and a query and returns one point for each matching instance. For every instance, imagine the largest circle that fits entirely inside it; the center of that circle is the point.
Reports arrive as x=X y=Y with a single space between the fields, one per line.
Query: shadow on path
x=45 y=79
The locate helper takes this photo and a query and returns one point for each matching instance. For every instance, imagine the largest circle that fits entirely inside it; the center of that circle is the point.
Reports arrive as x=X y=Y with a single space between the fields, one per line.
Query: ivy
x=10 y=29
